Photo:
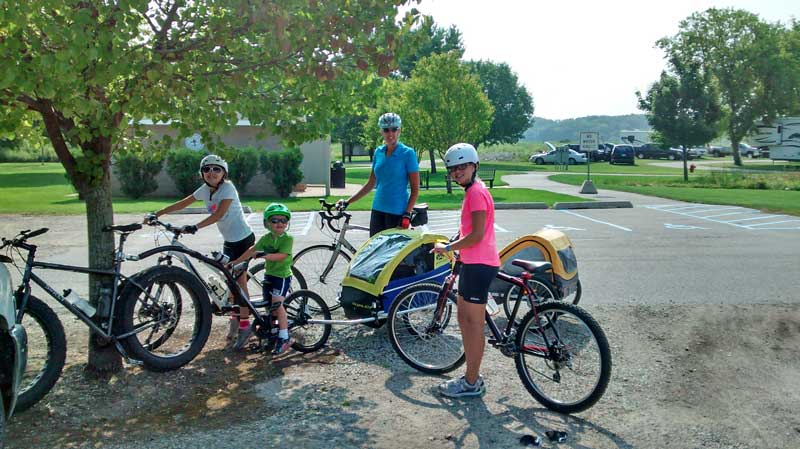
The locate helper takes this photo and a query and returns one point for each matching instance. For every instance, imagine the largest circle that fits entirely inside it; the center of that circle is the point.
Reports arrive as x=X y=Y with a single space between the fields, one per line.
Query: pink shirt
x=478 y=198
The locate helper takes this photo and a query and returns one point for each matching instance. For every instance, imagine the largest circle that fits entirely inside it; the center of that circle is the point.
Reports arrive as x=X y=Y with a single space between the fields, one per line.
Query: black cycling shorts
x=381 y=221
x=474 y=281
x=235 y=249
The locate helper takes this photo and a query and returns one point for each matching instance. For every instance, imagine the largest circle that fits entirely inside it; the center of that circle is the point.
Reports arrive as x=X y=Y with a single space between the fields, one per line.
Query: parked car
x=719 y=151
x=676 y=154
x=651 y=151
x=13 y=349
x=698 y=151
x=746 y=150
x=763 y=152
x=551 y=157
x=600 y=155
x=622 y=154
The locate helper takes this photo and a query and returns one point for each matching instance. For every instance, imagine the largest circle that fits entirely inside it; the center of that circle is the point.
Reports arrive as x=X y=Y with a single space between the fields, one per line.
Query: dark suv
x=622 y=154
x=654 y=151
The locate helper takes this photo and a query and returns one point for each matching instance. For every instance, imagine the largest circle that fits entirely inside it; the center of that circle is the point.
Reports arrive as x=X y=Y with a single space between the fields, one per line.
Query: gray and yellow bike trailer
x=384 y=266
x=545 y=245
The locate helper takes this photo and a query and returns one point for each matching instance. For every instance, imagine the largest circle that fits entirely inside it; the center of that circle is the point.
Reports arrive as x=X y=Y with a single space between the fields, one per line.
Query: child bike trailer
x=384 y=266
x=545 y=245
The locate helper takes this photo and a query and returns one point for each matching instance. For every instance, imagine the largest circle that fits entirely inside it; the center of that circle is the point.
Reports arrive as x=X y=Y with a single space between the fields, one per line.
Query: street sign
x=589 y=141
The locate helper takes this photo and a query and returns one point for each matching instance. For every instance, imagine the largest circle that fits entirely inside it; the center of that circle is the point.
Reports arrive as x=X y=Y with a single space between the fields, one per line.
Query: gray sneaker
x=458 y=388
x=243 y=335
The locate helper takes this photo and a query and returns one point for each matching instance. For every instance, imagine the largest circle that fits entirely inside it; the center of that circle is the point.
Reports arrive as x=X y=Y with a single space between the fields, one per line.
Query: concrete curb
x=520 y=205
x=594 y=205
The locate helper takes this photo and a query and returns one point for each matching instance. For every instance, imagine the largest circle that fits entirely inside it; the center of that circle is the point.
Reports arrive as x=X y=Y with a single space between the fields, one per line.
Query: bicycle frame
x=505 y=338
x=238 y=294
x=105 y=329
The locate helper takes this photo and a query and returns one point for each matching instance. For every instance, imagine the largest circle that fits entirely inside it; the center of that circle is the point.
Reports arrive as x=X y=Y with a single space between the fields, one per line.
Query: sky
x=579 y=58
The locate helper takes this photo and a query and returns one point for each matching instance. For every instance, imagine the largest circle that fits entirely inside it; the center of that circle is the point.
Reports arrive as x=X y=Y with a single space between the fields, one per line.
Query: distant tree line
x=608 y=126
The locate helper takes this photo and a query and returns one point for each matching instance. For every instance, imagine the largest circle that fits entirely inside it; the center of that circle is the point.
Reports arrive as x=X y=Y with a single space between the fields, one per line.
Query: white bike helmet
x=389 y=120
x=460 y=153
x=213 y=159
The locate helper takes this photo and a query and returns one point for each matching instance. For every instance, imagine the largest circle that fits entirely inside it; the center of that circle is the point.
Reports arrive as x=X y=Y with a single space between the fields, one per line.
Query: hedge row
x=137 y=173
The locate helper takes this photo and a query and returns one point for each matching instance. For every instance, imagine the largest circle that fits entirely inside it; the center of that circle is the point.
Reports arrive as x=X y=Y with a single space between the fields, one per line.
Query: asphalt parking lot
x=655 y=254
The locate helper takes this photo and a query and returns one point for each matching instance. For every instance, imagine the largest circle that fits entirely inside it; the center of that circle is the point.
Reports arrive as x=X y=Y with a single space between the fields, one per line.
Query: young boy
x=278 y=267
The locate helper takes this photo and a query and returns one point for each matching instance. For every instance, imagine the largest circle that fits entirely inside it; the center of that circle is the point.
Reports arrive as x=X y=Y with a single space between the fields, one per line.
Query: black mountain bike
x=306 y=310
x=159 y=317
x=561 y=353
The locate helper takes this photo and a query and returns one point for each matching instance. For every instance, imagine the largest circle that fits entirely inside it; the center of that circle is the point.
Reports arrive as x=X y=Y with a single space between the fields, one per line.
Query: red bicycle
x=561 y=352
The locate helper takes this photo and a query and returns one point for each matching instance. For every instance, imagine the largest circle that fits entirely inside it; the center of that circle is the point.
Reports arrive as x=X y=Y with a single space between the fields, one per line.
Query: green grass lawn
x=703 y=189
x=43 y=189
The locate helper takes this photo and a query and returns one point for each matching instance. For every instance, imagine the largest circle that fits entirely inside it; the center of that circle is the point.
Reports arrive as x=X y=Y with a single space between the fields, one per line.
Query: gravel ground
x=695 y=376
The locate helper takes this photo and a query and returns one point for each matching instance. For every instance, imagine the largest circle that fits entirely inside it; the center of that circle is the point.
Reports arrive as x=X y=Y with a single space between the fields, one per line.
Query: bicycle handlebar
x=177 y=231
x=22 y=236
x=328 y=216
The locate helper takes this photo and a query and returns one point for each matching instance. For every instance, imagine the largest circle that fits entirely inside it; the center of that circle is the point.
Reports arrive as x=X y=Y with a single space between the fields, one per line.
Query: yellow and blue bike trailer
x=545 y=245
x=387 y=263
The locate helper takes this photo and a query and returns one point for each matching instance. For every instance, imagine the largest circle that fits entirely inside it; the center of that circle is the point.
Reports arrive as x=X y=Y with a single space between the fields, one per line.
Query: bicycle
x=541 y=289
x=556 y=345
x=130 y=314
x=220 y=305
x=324 y=266
x=305 y=309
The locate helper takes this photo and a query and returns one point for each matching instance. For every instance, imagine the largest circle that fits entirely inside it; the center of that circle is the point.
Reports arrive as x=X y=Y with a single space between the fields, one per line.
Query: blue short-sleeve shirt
x=391 y=175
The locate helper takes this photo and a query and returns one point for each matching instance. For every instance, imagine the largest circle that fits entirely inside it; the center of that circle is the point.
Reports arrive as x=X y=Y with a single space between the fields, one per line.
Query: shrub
x=137 y=173
x=183 y=166
x=242 y=165
x=283 y=168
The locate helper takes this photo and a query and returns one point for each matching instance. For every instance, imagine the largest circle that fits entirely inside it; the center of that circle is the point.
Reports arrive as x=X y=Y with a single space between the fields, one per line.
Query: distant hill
x=607 y=125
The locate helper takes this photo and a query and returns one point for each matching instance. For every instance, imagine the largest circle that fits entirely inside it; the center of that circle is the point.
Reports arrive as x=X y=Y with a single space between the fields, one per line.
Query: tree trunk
x=433 y=161
x=737 y=158
x=685 y=169
x=103 y=356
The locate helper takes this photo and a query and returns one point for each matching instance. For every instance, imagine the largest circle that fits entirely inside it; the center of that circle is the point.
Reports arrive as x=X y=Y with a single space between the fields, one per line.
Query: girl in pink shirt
x=480 y=264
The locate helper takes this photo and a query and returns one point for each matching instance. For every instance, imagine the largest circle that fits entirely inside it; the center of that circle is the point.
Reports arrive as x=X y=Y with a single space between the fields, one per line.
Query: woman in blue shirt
x=394 y=169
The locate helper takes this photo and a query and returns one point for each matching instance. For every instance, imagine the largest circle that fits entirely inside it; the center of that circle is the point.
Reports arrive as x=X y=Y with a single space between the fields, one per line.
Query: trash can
x=337 y=175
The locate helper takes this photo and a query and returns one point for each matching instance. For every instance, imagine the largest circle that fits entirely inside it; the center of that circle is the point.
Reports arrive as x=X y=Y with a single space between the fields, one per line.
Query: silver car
x=13 y=348
x=552 y=157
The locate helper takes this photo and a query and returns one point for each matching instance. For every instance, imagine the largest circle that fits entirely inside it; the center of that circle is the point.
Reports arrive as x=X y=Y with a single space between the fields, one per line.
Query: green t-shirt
x=270 y=244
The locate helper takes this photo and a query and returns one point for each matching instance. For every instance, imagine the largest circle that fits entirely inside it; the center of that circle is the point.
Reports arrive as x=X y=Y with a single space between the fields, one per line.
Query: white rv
x=782 y=137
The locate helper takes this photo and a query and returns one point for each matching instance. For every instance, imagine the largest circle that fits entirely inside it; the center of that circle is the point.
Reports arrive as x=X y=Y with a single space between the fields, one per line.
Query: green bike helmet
x=276 y=209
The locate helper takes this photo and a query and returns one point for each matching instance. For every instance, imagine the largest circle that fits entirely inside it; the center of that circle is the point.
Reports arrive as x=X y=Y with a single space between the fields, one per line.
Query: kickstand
x=129 y=360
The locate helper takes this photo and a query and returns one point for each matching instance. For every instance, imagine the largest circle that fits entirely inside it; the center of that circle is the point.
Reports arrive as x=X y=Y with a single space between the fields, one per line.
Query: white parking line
x=309 y=222
x=596 y=221
x=738 y=222
x=760 y=217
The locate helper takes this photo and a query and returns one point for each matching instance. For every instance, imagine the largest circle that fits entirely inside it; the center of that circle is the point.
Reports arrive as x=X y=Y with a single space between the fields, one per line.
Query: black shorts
x=474 y=281
x=381 y=221
x=235 y=249
x=275 y=286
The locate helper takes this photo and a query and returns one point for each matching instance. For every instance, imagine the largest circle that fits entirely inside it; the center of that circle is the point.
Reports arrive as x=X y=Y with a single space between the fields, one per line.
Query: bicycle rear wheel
x=564 y=360
x=150 y=312
x=255 y=276
x=427 y=345
x=313 y=262
x=541 y=291
x=302 y=306
x=47 y=351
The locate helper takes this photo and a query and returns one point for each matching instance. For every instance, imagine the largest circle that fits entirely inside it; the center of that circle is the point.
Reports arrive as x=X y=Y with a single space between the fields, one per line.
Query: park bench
x=425 y=179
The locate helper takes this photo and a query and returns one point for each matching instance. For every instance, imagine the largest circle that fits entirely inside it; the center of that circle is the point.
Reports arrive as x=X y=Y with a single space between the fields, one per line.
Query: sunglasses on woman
x=210 y=168
x=394 y=130
x=458 y=167
x=278 y=220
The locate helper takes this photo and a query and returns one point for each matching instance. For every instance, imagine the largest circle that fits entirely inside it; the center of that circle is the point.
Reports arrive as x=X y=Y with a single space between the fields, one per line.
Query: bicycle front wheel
x=564 y=360
x=323 y=270
x=150 y=311
x=301 y=307
x=47 y=351
x=427 y=344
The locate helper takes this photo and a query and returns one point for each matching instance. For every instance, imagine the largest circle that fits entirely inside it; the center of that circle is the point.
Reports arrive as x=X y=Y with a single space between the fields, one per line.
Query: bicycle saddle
x=123 y=228
x=532 y=267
